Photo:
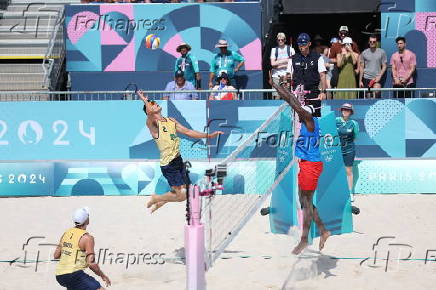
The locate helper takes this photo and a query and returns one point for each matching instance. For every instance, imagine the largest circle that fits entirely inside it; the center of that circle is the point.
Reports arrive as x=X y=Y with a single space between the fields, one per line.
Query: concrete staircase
x=26 y=28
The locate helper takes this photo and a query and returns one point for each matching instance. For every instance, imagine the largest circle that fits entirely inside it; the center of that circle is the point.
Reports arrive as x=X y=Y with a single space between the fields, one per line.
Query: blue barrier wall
x=115 y=130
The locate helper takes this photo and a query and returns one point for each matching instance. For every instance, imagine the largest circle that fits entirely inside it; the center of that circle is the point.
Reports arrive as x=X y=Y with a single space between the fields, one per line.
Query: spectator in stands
x=224 y=85
x=280 y=56
x=403 y=65
x=329 y=67
x=225 y=61
x=346 y=61
x=337 y=46
x=336 y=49
x=372 y=66
x=180 y=84
x=188 y=64
x=309 y=70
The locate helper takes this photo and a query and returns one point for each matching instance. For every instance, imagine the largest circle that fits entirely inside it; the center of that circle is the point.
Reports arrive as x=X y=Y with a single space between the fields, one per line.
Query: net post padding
x=194 y=243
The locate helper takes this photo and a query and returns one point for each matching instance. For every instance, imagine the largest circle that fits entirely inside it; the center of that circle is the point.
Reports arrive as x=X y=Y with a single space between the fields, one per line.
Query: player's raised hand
x=142 y=96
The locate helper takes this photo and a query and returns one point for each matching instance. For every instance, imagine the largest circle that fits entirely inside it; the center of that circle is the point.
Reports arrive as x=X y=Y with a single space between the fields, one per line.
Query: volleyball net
x=254 y=169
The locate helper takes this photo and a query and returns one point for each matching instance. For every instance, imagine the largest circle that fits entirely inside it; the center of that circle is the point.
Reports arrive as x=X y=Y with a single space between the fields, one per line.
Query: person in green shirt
x=188 y=64
x=348 y=130
x=225 y=61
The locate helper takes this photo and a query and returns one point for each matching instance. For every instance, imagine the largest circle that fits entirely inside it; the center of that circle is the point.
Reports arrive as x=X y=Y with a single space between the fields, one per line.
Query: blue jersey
x=307 y=146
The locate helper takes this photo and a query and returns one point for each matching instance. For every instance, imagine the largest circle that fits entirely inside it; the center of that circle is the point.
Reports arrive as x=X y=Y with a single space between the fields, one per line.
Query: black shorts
x=349 y=158
x=175 y=172
x=78 y=280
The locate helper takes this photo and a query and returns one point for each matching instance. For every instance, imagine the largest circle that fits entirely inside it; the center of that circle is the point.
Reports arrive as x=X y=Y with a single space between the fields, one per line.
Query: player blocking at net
x=164 y=132
x=310 y=165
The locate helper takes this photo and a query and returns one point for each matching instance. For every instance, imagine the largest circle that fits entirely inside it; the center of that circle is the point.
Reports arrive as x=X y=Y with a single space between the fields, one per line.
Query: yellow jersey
x=72 y=257
x=167 y=141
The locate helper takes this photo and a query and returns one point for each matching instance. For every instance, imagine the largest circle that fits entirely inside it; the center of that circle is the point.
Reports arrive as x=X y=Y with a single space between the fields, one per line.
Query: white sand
x=122 y=225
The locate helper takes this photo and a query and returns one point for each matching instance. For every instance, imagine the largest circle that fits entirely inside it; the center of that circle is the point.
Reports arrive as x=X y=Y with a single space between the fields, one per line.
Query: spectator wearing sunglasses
x=372 y=66
x=403 y=65
x=280 y=56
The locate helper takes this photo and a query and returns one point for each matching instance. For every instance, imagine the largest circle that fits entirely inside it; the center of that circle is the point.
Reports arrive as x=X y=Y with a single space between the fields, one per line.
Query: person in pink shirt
x=403 y=65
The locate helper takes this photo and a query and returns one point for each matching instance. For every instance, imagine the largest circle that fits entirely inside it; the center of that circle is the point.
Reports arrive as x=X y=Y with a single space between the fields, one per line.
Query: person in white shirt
x=280 y=57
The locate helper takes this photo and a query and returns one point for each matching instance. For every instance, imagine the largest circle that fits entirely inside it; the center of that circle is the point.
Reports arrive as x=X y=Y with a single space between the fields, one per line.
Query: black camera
x=219 y=172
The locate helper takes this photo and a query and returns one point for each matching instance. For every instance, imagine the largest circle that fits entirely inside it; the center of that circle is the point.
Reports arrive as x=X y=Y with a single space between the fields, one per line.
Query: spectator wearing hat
x=223 y=85
x=403 y=67
x=76 y=253
x=225 y=61
x=348 y=130
x=309 y=70
x=372 y=66
x=188 y=64
x=346 y=61
x=280 y=56
x=336 y=48
x=179 y=85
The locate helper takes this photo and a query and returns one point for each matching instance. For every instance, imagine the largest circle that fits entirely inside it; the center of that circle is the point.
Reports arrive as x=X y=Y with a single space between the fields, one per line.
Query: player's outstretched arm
x=290 y=98
x=194 y=134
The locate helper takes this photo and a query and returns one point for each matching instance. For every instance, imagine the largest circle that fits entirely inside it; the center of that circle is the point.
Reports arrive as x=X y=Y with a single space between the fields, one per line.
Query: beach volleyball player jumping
x=310 y=164
x=164 y=132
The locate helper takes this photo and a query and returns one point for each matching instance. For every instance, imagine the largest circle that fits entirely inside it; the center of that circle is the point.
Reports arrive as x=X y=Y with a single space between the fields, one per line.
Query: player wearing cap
x=307 y=149
x=309 y=70
x=76 y=253
x=164 y=132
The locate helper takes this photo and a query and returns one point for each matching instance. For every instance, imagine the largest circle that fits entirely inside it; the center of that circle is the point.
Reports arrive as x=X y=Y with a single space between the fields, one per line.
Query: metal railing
x=55 y=54
x=249 y=94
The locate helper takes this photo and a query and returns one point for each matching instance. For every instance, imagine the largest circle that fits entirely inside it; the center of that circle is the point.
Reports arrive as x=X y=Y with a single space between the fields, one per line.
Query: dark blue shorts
x=349 y=158
x=175 y=172
x=78 y=280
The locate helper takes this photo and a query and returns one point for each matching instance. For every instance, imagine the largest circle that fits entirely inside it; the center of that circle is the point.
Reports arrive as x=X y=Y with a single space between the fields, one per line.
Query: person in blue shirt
x=348 y=130
x=226 y=61
x=188 y=64
x=310 y=164
x=178 y=86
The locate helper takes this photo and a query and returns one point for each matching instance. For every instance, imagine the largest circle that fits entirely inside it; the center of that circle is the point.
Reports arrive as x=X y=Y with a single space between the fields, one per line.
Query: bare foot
x=152 y=200
x=324 y=236
x=157 y=206
x=300 y=247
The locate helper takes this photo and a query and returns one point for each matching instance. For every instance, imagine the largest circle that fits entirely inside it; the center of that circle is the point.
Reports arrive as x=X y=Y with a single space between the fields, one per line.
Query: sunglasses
x=280 y=39
x=372 y=42
x=151 y=102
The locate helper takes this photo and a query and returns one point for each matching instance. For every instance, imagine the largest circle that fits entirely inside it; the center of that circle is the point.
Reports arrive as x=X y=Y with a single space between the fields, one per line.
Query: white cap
x=347 y=40
x=343 y=28
x=309 y=109
x=81 y=215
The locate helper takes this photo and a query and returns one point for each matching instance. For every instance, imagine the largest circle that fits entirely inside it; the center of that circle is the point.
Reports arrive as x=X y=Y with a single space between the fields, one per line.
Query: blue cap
x=179 y=73
x=303 y=39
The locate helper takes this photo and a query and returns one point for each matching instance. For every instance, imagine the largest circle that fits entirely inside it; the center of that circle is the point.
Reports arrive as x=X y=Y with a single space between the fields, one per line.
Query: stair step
x=21 y=68
x=35 y=42
x=21 y=86
x=22 y=52
x=6 y=77
x=33 y=7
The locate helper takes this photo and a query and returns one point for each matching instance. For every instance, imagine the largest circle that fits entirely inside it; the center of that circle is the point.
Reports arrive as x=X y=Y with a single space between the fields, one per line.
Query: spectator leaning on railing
x=372 y=66
x=403 y=67
x=223 y=85
x=178 y=86
x=225 y=61
x=346 y=61
x=188 y=64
